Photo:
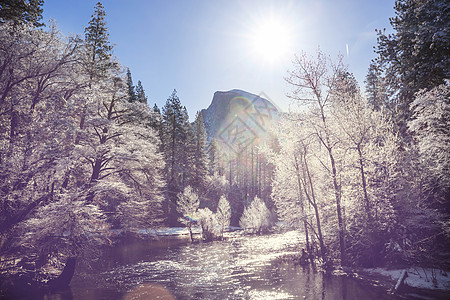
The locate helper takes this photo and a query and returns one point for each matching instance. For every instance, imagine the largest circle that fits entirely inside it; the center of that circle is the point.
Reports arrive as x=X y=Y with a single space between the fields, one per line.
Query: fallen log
x=400 y=281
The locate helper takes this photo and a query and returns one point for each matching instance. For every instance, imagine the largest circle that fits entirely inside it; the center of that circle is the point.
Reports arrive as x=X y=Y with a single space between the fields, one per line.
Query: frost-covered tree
x=108 y=177
x=314 y=80
x=187 y=205
x=256 y=217
x=142 y=171
x=34 y=131
x=353 y=119
x=364 y=134
x=69 y=152
x=121 y=152
x=62 y=228
x=209 y=224
x=430 y=126
x=216 y=185
x=40 y=75
x=294 y=188
x=223 y=213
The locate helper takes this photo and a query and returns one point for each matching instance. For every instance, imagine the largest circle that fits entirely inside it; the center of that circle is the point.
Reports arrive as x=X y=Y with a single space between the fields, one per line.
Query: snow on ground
x=174 y=231
x=418 y=277
x=169 y=231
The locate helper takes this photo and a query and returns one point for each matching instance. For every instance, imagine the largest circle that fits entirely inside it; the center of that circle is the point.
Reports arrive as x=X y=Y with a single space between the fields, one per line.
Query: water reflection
x=239 y=268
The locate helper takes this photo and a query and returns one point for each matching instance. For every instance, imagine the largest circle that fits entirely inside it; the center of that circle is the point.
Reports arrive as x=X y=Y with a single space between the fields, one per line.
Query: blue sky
x=199 y=47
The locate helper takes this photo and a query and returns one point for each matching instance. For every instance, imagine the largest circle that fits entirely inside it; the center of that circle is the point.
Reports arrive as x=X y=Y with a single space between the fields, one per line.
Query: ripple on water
x=262 y=294
x=208 y=266
x=241 y=267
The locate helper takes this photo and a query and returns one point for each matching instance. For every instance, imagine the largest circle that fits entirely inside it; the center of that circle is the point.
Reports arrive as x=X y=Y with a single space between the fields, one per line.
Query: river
x=241 y=267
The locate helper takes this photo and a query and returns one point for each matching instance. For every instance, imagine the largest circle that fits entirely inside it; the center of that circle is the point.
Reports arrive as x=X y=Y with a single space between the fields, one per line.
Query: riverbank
x=410 y=283
x=174 y=232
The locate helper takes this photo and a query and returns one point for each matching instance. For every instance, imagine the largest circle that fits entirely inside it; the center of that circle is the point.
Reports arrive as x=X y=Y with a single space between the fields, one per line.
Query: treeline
x=367 y=178
x=212 y=169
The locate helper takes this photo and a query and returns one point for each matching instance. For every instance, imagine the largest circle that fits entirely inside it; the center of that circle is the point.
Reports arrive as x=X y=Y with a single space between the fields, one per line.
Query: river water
x=241 y=267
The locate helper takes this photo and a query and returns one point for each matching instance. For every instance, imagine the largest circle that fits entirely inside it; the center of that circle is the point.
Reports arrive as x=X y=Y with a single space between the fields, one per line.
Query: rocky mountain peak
x=238 y=118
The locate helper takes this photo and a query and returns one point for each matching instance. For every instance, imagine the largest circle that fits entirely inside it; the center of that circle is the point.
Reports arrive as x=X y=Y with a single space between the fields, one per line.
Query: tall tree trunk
x=312 y=201
x=302 y=204
x=231 y=181
x=337 y=189
x=364 y=185
x=337 y=193
x=252 y=176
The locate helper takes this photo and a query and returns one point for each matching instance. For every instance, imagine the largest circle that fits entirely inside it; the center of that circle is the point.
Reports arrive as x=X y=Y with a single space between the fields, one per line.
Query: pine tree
x=213 y=155
x=173 y=133
x=22 y=12
x=156 y=109
x=200 y=158
x=155 y=123
x=416 y=55
x=187 y=156
x=175 y=130
x=346 y=84
x=376 y=92
x=98 y=48
x=140 y=93
x=156 y=120
x=132 y=97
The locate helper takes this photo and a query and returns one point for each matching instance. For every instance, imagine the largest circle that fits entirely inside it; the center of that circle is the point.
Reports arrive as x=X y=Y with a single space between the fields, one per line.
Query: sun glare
x=271 y=41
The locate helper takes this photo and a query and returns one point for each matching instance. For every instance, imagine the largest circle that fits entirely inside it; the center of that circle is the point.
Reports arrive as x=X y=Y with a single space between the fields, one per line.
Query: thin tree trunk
x=337 y=190
x=230 y=172
x=312 y=200
x=364 y=185
x=190 y=232
x=302 y=205
x=337 y=194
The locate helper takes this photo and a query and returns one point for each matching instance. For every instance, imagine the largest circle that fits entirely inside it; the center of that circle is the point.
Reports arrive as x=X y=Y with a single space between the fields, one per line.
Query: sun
x=271 y=40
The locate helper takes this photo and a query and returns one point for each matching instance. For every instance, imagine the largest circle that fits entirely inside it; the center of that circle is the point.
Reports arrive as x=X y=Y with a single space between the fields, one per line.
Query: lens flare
x=271 y=40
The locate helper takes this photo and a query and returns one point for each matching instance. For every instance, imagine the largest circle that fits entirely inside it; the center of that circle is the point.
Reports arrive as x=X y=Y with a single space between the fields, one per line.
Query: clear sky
x=199 y=47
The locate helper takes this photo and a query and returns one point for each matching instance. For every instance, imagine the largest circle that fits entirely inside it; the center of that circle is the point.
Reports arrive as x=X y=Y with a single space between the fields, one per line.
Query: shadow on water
x=241 y=267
